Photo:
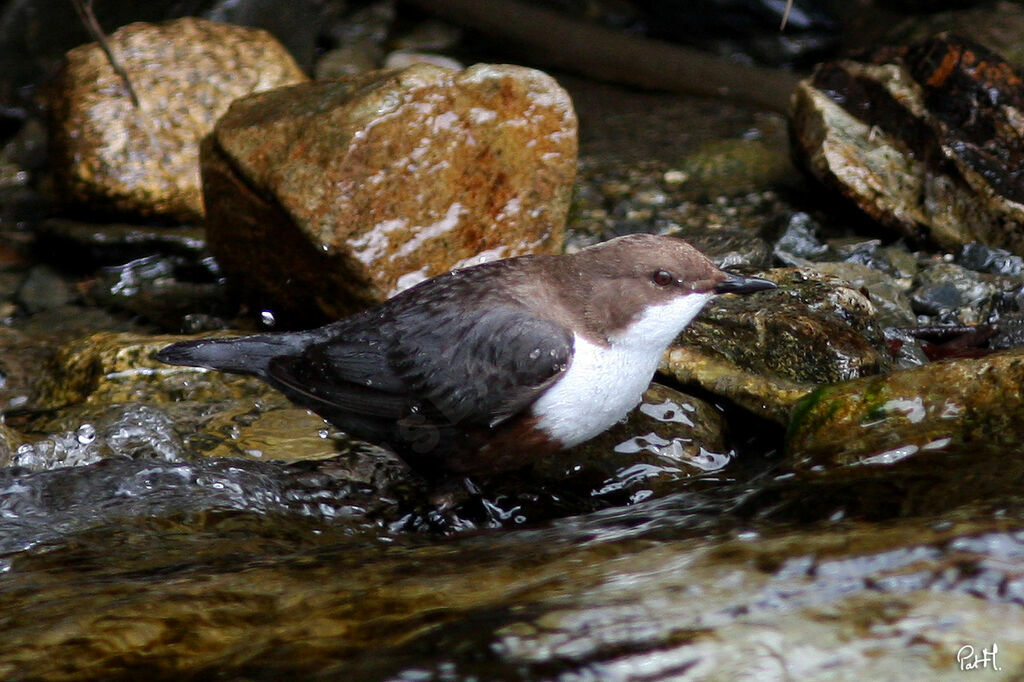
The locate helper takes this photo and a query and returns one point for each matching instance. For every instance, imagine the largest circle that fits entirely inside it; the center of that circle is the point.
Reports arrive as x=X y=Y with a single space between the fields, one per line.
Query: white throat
x=603 y=383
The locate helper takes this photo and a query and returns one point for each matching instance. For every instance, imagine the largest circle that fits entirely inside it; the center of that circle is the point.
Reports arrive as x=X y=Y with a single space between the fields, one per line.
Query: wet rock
x=895 y=261
x=953 y=294
x=925 y=139
x=110 y=155
x=81 y=246
x=268 y=430
x=162 y=290
x=905 y=348
x=892 y=307
x=960 y=407
x=325 y=198
x=981 y=258
x=106 y=368
x=1010 y=332
x=812 y=328
x=798 y=243
x=767 y=395
x=765 y=351
x=108 y=387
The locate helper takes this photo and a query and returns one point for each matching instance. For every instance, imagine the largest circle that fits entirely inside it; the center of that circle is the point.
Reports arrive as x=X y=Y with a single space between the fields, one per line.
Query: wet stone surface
x=924 y=139
x=328 y=197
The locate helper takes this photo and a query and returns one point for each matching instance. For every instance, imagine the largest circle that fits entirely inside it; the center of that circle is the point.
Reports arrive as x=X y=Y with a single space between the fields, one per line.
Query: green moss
x=800 y=419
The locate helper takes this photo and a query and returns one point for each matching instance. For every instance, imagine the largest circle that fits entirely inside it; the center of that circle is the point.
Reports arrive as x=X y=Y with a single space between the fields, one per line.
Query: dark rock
x=109 y=155
x=328 y=197
x=996 y=25
x=981 y=258
x=1010 y=332
x=798 y=242
x=925 y=139
x=954 y=294
x=82 y=246
x=905 y=348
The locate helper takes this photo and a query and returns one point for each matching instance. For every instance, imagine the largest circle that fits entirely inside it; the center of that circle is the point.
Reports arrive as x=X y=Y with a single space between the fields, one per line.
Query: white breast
x=603 y=383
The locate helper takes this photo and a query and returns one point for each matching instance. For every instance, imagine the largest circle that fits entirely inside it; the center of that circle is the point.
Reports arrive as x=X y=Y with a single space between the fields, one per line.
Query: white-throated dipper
x=482 y=369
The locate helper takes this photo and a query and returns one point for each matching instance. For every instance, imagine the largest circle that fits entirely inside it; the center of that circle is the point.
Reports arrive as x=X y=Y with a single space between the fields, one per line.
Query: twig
x=88 y=17
x=785 y=15
x=550 y=37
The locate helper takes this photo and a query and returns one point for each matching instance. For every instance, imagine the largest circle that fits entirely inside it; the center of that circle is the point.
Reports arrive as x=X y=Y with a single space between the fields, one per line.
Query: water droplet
x=86 y=434
x=535 y=353
x=267 y=318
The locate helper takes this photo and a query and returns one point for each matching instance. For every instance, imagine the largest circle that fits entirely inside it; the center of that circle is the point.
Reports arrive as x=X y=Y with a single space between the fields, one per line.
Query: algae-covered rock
x=957 y=406
x=765 y=351
x=108 y=367
x=766 y=395
x=813 y=328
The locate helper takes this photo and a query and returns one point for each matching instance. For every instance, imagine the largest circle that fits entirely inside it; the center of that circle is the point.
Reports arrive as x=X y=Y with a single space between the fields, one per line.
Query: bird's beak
x=738 y=284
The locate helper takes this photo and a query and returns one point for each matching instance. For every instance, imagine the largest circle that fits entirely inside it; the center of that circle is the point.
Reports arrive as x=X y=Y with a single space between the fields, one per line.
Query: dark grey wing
x=348 y=371
x=479 y=368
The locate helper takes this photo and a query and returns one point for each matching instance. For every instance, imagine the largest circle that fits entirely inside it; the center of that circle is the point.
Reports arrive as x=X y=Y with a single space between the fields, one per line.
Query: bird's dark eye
x=662 y=278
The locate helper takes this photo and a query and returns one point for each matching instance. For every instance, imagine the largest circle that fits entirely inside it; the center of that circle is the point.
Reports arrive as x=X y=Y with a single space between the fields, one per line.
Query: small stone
x=892 y=308
x=42 y=289
x=675 y=177
x=348 y=60
x=109 y=155
x=799 y=241
x=403 y=59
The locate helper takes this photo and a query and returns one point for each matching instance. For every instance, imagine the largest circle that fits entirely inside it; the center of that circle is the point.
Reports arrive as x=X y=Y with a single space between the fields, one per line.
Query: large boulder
x=327 y=197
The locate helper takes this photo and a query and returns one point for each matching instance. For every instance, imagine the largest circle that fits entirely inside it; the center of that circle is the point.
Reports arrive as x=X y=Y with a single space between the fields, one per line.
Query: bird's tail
x=240 y=355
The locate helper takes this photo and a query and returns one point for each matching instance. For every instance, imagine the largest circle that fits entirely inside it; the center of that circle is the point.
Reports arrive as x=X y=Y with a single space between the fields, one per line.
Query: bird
x=486 y=368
